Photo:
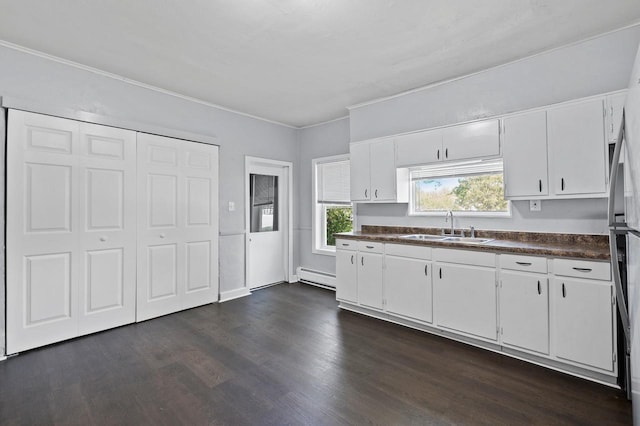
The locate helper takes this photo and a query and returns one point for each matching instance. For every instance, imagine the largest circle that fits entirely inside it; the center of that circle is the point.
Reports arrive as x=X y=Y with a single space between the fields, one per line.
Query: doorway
x=268 y=212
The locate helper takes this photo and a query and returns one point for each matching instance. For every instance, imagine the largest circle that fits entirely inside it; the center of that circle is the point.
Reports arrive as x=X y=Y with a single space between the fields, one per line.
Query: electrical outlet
x=535 y=205
x=232 y=206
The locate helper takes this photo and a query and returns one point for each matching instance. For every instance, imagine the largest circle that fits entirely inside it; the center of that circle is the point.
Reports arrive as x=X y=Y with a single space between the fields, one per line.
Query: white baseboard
x=225 y=296
x=316 y=277
x=293 y=279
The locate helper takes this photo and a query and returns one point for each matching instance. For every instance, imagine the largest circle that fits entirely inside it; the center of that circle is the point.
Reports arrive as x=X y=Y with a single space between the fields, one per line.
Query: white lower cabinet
x=524 y=311
x=346 y=274
x=583 y=321
x=370 y=279
x=408 y=287
x=465 y=299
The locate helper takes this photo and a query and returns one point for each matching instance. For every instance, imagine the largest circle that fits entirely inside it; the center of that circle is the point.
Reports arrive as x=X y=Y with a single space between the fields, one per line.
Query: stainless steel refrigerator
x=629 y=306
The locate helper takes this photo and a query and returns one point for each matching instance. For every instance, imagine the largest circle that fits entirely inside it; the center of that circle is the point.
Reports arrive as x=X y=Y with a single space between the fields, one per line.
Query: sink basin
x=469 y=240
x=423 y=237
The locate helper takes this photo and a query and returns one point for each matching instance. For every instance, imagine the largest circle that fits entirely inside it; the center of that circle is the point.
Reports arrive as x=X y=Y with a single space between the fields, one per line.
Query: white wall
x=44 y=81
x=319 y=141
x=591 y=67
x=595 y=66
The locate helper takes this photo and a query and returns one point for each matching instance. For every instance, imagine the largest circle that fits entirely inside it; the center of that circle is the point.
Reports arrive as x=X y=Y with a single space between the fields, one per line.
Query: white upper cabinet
x=614 y=106
x=383 y=171
x=471 y=140
x=525 y=155
x=419 y=148
x=360 y=165
x=575 y=135
x=374 y=177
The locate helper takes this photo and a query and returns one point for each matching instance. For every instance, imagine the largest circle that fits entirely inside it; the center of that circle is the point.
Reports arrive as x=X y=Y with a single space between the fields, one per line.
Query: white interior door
x=267 y=218
x=177 y=225
x=107 y=225
x=71 y=191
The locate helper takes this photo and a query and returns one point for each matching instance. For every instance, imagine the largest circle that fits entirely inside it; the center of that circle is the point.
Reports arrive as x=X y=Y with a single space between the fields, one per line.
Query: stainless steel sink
x=469 y=240
x=423 y=237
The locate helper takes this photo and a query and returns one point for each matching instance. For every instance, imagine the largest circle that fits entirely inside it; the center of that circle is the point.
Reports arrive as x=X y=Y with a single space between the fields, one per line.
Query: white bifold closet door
x=177 y=225
x=71 y=229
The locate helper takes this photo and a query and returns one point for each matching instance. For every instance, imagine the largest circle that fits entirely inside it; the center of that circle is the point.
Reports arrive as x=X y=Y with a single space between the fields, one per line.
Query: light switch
x=232 y=206
x=535 y=205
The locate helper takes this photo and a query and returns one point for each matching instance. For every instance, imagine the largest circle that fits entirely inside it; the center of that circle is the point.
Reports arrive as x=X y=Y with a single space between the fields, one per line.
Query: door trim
x=288 y=226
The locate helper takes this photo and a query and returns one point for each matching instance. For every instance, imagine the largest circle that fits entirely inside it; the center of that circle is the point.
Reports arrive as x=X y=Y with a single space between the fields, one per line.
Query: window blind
x=465 y=168
x=333 y=181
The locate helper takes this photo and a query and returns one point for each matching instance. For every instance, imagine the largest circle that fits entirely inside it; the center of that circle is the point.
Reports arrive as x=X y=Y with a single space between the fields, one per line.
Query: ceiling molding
x=462 y=77
x=323 y=122
x=123 y=79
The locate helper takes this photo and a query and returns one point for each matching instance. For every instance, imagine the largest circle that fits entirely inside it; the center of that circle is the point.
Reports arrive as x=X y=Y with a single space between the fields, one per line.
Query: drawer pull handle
x=365 y=193
x=438 y=154
x=582 y=269
x=564 y=291
x=369 y=247
x=539 y=288
x=376 y=193
x=540 y=184
x=425 y=269
x=345 y=245
x=524 y=263
x=352 y=259
x=440 y=273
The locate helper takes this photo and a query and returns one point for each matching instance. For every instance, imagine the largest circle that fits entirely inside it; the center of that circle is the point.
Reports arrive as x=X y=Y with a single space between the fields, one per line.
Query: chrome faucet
x=446 y=218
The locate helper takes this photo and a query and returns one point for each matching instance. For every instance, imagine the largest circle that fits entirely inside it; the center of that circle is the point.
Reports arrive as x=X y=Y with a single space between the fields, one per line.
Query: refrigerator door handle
x=613 y=174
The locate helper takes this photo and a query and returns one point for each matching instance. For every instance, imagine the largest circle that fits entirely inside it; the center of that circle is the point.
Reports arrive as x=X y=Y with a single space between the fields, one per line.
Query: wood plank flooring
x=288 y=355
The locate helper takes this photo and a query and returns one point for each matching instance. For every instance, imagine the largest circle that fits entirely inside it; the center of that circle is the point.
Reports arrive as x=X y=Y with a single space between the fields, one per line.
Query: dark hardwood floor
x=288 y=355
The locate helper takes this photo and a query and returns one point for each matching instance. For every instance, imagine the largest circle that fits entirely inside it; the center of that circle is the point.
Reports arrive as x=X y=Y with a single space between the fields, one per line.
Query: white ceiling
x=301 y=62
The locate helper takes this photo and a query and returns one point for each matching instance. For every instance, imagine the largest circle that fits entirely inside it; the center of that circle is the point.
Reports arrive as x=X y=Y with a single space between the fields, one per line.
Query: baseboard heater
x=317 y=278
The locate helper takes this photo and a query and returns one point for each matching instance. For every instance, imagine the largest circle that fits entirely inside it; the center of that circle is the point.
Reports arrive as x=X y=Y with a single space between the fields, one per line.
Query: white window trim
x=318 y=228
x=458 y=213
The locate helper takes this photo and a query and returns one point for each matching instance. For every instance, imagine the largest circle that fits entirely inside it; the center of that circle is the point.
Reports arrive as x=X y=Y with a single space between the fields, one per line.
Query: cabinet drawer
x=523 y=263
x=465 y=257
x=371 y=247
x=346 y=244
x=582 y=269
x=403 y=250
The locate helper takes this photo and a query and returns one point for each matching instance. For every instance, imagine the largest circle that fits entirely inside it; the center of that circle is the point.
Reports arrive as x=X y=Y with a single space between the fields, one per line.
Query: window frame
x=319 y=222
x=458 y=213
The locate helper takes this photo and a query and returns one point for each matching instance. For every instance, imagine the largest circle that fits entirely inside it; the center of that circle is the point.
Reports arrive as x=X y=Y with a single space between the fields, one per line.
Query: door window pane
x=263 y=195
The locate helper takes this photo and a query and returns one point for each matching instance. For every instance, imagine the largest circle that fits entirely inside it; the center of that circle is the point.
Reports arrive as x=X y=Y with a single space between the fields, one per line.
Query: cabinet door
x=419 y=148
x=576 y=148
x=370 y=280
x=383 y=171
x=615 y=104
x=360 y=165
x=408 y=288
x=524 y=311
x=582 y=322
x=346 y=276
x=525 y=155
x=471 y=140
x=465 y=299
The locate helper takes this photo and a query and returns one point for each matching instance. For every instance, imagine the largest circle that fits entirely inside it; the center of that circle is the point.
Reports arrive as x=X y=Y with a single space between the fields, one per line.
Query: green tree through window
x=339 y=219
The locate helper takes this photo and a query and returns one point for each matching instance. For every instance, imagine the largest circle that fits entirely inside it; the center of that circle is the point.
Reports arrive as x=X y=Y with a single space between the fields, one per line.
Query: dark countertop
x=577 y=246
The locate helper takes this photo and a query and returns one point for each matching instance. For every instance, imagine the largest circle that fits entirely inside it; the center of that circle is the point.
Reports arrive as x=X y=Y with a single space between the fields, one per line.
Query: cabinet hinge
x=497 y=330
x=613 y=299
x=614 y=357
